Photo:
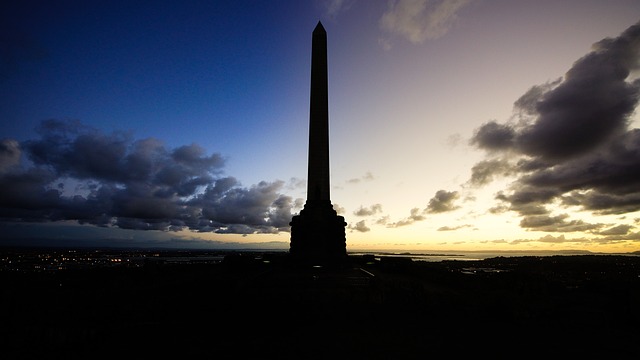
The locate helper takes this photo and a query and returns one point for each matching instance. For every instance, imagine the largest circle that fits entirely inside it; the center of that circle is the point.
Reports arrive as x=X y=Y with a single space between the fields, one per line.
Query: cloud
x=616 y=230
x=372 y=210
x=384 y=220
x=569 y=142
x=419 y=20
x=494 y=137
x=415 y=215
x=339 y=209
x=619 y=237
x=296 y=184
x=483 y=172
x=453 y=228
x=561 y=239
x=132 y=184
x=556 y=224
x=385 y=44
x=72 y=235
x=586 y=109
x=443 y=201
x=527 y=104
x=260 y=208
x=360 y=226
x=366 y=177
x=335 y=7
x=454 y=140
x=551 y=239
x=9 y=154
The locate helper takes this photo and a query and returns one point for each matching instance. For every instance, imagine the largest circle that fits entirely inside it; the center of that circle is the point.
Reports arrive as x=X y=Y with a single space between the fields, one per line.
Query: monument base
x=318 y=234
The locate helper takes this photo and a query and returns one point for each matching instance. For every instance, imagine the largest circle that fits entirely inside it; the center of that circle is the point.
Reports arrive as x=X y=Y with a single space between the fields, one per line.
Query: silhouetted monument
x=318 y=233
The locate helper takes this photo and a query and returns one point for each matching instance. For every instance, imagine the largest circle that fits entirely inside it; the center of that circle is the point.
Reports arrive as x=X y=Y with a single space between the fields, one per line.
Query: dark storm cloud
x=76 y=151
x=592 y=103
x=606 y=181
x=530 y=208
x=577 y=114
x=27 y=194
x=494 y=137
x=132 y=184
x=601 y=203
x=280 y=211
x=528 y=200
x=572 y=144
x=527 y=104
x=259 y=206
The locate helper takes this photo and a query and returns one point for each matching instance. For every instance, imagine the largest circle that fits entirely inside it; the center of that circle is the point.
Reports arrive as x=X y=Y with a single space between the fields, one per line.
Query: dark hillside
x=262 y=305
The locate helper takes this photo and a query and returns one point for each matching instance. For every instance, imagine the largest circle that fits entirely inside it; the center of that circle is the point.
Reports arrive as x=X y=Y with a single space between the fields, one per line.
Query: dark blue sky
x=147 y=66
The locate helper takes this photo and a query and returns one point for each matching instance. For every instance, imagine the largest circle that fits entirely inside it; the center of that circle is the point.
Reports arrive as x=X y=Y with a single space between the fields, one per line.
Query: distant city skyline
x=454 y=124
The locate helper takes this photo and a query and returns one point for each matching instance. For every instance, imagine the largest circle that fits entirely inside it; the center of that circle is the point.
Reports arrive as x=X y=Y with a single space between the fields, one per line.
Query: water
x=434 y=256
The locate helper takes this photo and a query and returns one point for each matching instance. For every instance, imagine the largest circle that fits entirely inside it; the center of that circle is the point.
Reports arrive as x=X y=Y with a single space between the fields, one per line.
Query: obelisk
x=318 y=233
x=318 y=175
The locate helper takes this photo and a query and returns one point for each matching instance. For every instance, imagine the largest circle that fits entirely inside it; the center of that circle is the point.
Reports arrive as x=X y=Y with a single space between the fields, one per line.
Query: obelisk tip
x=319 y=27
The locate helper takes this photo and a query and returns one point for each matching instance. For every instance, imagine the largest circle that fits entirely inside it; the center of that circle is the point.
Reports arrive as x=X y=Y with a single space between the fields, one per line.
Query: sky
x=454 y=124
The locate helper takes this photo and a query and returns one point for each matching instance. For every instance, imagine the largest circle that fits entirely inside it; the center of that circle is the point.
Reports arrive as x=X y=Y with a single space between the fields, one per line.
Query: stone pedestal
x=318 y=233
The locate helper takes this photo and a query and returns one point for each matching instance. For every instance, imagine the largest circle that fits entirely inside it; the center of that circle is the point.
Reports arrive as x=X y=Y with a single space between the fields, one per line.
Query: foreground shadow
x=264 y=305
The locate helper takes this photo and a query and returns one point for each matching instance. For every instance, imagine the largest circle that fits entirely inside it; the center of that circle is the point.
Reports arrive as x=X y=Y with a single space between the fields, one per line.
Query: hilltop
x=262 y=305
